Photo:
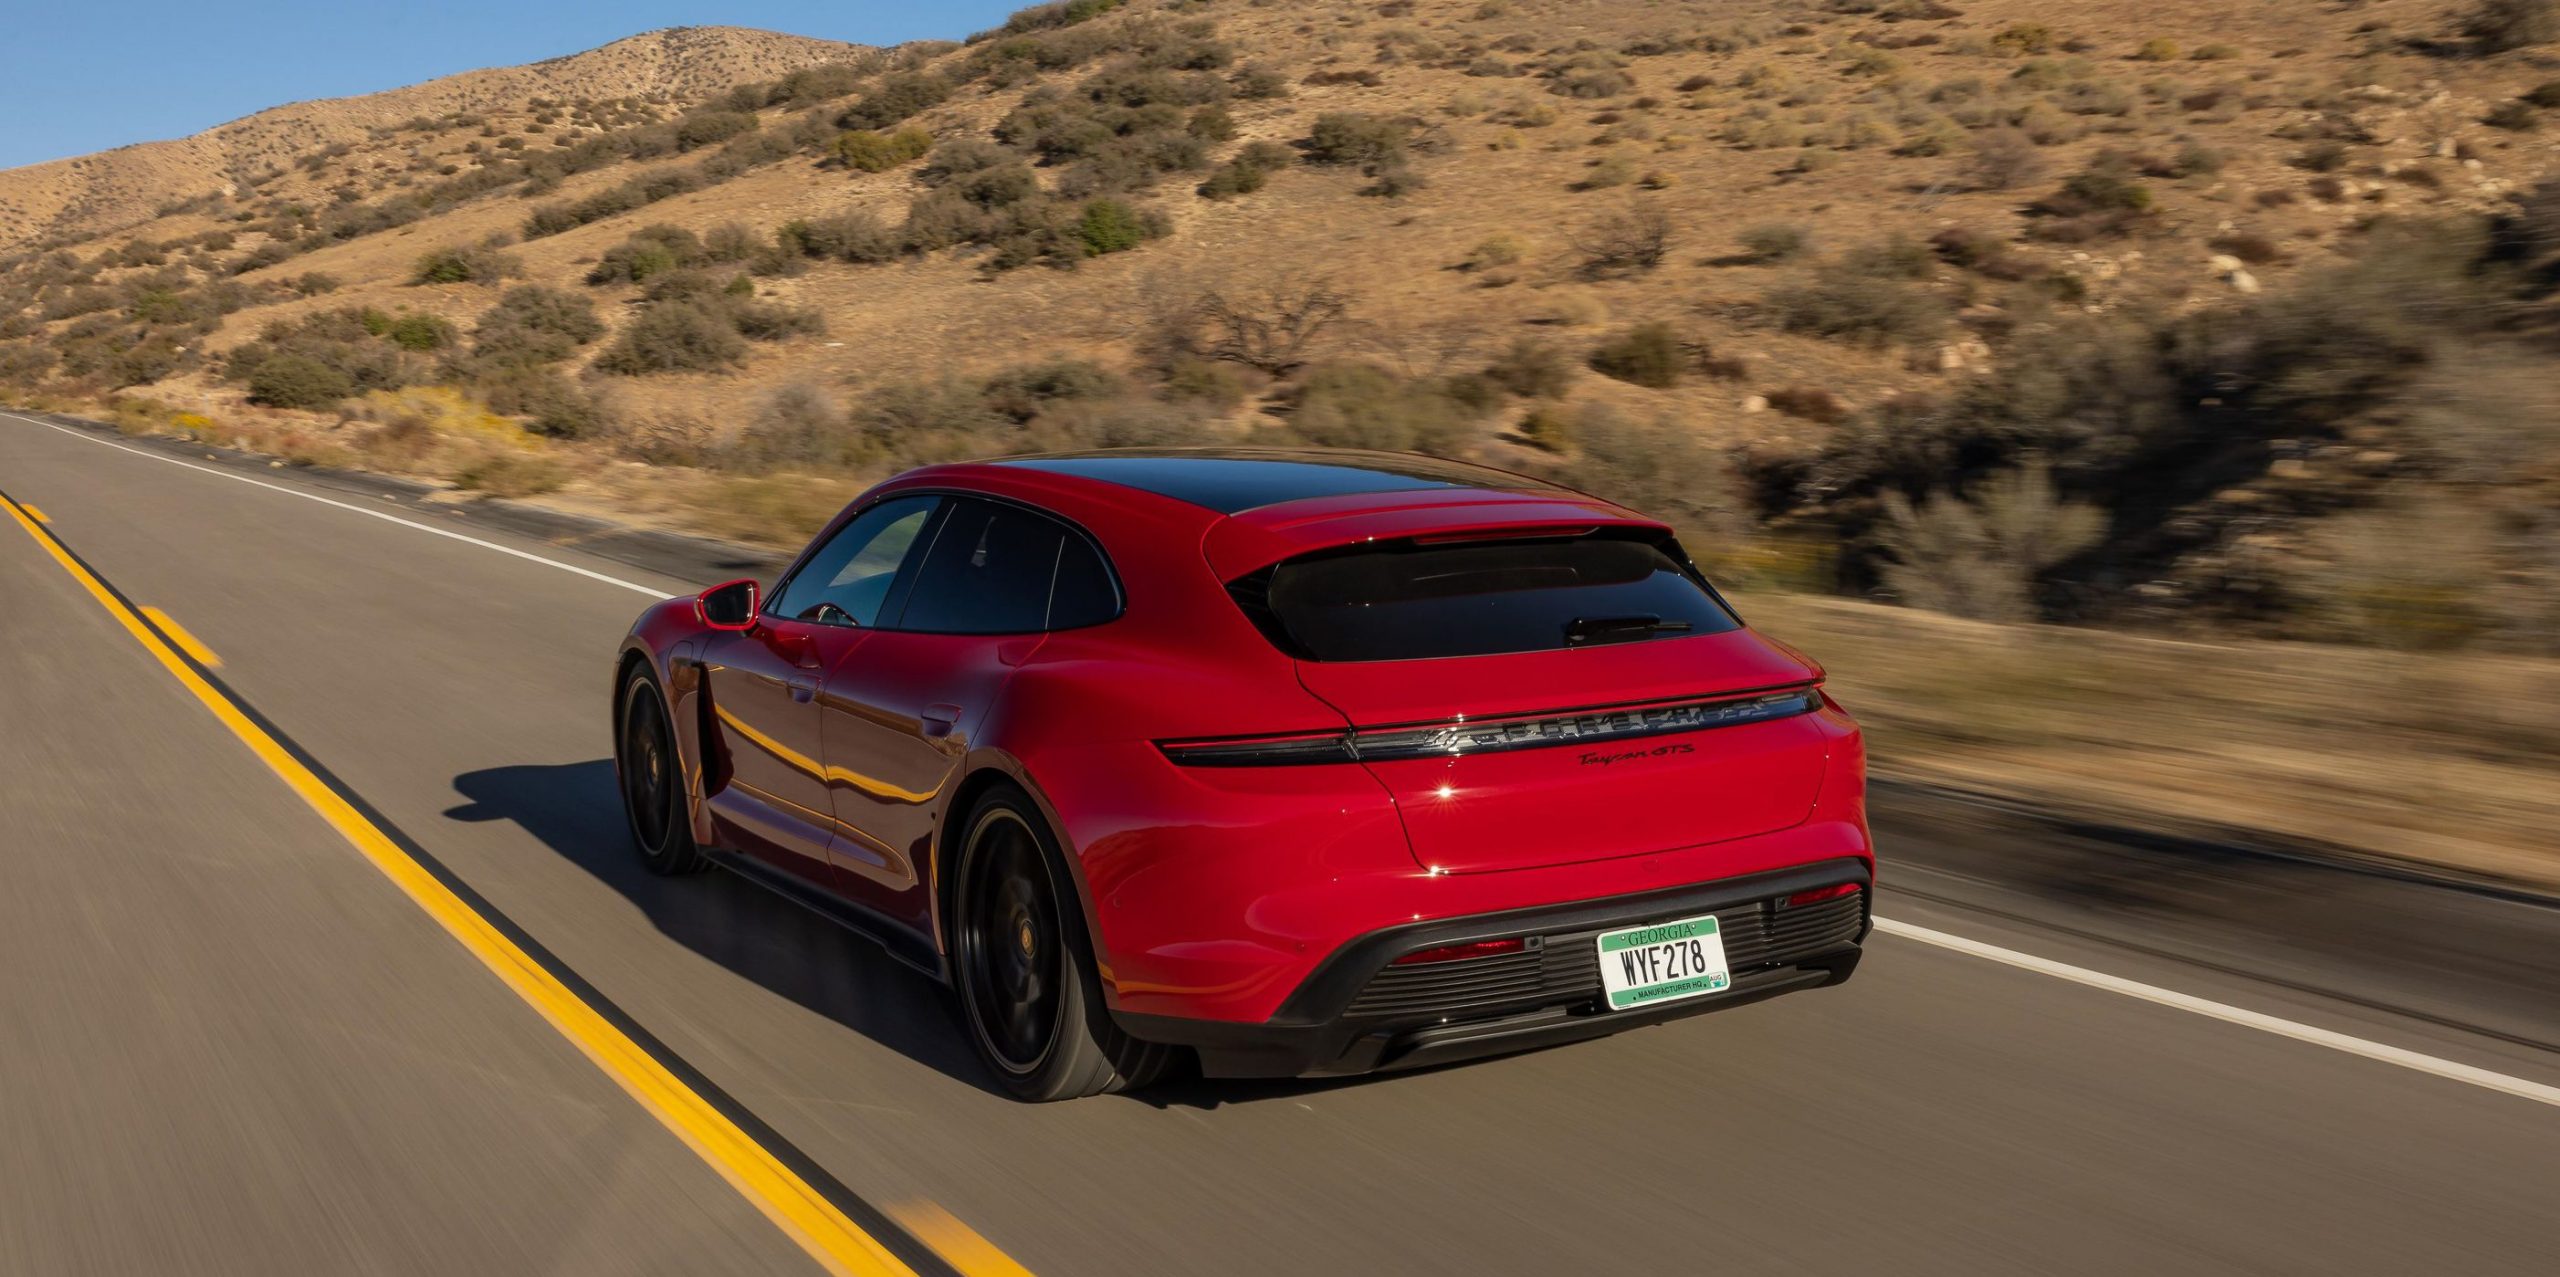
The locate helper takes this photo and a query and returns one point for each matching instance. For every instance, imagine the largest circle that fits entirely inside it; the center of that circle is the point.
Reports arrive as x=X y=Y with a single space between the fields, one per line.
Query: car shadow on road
x=575 y=809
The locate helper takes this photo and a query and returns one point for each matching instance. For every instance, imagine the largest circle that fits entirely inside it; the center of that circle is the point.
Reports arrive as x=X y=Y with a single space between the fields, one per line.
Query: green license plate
x=1663 y=962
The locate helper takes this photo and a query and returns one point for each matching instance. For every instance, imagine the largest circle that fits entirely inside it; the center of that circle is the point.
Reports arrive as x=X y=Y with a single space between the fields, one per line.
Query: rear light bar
x=1461 y=952
x=1462 y=737
x=1819 y=894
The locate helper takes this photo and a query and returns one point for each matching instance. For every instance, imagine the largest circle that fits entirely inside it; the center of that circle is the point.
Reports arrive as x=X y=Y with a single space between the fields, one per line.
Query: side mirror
x=730 y=607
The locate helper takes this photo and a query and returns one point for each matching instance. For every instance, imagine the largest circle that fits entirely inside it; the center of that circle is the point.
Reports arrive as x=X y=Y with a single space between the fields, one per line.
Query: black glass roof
x=1233 y=480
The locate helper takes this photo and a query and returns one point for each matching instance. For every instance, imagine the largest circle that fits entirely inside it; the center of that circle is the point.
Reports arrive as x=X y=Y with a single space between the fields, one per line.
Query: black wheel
x=1024 y=969
x=652 y=778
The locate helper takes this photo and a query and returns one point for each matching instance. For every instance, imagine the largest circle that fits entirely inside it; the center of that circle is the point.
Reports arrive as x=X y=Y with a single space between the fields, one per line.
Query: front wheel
x=1024 y=968
x=652 y=777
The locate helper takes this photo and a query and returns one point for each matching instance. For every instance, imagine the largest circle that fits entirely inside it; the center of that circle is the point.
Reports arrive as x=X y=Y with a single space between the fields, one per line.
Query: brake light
x=1494 y=735
x=1462 y=952
x=1820 y=894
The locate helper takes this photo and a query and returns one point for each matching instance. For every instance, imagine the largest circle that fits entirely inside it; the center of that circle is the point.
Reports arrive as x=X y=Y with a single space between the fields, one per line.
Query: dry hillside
x=100 y=194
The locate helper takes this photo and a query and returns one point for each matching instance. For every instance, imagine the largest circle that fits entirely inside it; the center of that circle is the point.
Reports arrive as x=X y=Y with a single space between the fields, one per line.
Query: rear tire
x=651 y=776
x=1023 y=965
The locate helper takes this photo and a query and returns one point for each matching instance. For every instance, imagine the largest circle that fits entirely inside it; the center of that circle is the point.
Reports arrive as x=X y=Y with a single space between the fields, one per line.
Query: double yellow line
x=785 y=1197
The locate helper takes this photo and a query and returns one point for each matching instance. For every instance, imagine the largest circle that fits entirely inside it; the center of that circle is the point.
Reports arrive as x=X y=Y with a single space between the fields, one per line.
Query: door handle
x=803 y=690
x=940 y=719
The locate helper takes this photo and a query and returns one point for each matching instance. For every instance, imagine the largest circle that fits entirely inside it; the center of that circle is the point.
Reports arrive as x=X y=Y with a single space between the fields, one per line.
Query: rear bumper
x=1345 y=1019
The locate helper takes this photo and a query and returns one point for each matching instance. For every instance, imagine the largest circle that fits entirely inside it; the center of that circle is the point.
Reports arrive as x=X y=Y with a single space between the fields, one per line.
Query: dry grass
x=2435 y=759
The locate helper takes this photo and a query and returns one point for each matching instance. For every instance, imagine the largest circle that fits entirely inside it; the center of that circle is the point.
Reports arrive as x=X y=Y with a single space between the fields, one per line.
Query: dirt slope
x=109 y=191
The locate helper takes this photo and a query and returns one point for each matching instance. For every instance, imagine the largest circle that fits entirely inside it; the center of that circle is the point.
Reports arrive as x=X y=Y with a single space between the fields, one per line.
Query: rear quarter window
x=1403 y=601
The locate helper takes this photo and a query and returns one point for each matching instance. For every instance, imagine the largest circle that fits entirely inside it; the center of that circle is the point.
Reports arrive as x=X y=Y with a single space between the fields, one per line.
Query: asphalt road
x=228 y=1044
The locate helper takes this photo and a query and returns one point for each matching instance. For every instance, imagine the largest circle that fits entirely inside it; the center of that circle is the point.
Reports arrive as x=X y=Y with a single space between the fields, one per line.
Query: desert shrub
x=2322 y=157
x=911 y=422
x=552 y=405
x=1981 y=558
x=1533 y=369
x=798 y=426
x=1211 y=124
x=2003 y=159
x=1635 y=239
x=1775 y=241
x=534 y=324
x=675 y=336
x=1893 y=257
x=738 y=242
x=639 y=192
x=1812 y=403
x=768 y=321
x=2514 y=115
x=1395 y=181
x=1254 y=83
x=1656 y=466
x=1590 y=81
x=651 y=251
x=1369 y=142
x=1249 y=171
x=1647 y=355
x=871 y=151
x=1111 y=226
x=511 y=472
x=1494 y=252
x=1275 y=326
x=702 y=128
x=2248 y=246
x=1206 y=382
x=1845 y=303
x=1356 y=405
x=1981 y=252
x=346 y=342
x=2501 y=25
x=938 y=220
x=2545 y=95
x=2105 y=198
x=1548 y=427
x=896 y=99
x=420 y=332
x=313 y=283
x=2157 y=49
x=2023 y=38
x=1050 y=17
x=1606 y=172
x=1029 y=390
x=297 y=381
x=474 y=265
x=854 y=236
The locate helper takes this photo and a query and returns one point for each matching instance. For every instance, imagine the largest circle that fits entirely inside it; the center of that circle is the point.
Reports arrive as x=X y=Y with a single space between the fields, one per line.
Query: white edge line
x=2206 y=1007
x=2260 y=1021
x=632 y=586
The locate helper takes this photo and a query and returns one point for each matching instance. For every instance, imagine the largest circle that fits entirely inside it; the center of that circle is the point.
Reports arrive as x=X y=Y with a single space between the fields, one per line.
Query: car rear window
x=1408 y=600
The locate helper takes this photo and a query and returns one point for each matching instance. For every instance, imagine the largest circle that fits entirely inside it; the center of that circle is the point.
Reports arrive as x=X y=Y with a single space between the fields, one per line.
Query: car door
x=764 y=683
x=902 y=710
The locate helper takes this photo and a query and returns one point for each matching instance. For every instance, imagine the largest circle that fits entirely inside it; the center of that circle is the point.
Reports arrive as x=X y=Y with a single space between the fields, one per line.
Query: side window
x=848 y=579
x=1083 y=594
x=997 y=569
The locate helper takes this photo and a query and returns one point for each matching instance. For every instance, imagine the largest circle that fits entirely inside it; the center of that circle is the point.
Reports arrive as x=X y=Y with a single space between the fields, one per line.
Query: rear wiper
x=1618 y=629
